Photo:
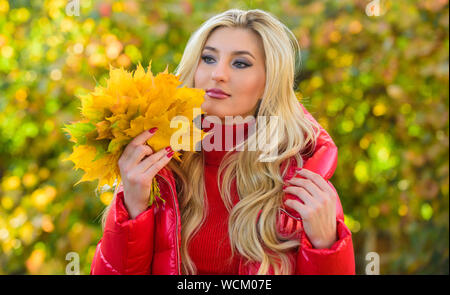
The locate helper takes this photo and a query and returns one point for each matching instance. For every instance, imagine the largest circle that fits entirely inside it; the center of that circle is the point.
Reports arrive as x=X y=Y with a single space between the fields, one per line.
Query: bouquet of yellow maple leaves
x=131 y=103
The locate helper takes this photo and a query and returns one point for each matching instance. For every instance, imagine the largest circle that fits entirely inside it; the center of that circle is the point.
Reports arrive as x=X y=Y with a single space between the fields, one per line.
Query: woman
x=228 y=212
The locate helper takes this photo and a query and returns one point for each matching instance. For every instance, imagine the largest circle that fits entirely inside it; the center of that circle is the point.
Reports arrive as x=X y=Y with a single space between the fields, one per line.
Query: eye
x=241 y=64
x=207 y=59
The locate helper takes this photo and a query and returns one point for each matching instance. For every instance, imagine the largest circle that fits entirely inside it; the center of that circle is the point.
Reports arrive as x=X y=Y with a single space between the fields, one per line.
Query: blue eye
x=239 y=64
x=207 y=58
x=244 y=65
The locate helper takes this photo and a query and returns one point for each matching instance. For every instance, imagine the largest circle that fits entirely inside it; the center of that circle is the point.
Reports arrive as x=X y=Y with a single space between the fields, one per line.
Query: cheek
x=252 y=88
x=200 y=77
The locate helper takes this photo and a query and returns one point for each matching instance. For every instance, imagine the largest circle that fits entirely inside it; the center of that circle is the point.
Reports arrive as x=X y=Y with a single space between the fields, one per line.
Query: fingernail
x=284 y=187
x=169 y=155
x=168 y=149
x=153 y=130
x=298 y=169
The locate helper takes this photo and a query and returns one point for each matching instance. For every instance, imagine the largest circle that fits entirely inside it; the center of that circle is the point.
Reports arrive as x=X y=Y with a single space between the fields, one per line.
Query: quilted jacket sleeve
x=339 y=259
x=127 y=244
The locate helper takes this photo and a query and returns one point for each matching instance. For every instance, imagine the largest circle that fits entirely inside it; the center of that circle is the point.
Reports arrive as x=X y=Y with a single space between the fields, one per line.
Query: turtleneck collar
x=216 y=130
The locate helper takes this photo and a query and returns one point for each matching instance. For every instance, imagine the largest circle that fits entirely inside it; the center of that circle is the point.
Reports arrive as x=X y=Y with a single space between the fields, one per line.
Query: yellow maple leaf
x=129 y=104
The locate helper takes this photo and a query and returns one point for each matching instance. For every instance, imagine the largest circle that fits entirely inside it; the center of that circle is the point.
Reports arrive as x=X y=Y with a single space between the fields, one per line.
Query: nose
x=220 y=72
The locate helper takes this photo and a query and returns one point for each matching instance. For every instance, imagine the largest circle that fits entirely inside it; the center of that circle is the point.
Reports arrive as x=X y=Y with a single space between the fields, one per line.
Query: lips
x=217 y=93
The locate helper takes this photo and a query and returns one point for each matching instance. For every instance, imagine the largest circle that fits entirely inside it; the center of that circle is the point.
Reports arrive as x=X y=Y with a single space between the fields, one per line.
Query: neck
x=223 y=137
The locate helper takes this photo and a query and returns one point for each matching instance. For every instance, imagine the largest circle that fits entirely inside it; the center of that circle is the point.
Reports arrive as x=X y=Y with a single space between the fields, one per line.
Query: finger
x=302 y=194
x=308 y=185
x=299 y=207
x=140 y=152
x=317 y=179
x=158 y=165
x=144 y=136
x=150 y=160
x=138 y=140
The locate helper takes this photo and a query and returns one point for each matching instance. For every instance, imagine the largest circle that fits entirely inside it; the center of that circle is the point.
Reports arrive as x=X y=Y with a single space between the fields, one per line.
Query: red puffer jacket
x=150 y=243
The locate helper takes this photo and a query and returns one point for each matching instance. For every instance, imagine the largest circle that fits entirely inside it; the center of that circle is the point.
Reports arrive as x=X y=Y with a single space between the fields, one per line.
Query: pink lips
x=216 y=93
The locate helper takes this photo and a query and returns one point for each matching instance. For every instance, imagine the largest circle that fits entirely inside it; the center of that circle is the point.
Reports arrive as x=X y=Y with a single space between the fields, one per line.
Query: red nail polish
x=298 y=169
x=169 y=155
x=168 y=149
x=284 y=187
x=153 y=130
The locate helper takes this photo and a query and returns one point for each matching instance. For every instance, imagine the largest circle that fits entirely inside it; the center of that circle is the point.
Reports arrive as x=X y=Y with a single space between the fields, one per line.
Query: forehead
x=226 y=39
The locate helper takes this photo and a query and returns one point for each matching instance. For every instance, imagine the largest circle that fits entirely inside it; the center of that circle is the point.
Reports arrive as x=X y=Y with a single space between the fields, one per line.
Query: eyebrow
x=233 y=53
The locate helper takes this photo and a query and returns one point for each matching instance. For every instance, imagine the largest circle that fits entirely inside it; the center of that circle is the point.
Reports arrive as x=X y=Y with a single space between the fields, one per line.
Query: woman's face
x=231 y=61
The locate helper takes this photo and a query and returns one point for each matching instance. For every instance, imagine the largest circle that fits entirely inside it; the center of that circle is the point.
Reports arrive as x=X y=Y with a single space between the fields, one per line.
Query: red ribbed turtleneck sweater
x=210 y=248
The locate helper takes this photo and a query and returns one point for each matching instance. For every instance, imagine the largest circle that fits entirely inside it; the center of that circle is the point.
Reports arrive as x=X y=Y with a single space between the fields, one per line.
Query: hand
x=318 y=209
x=138 y=165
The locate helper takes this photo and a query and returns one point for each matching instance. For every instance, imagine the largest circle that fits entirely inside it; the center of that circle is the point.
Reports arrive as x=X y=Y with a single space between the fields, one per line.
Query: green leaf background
x=378 y=84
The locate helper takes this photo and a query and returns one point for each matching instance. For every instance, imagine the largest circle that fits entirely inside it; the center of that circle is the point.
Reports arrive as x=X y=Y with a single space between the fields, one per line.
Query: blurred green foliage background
x=377 y=83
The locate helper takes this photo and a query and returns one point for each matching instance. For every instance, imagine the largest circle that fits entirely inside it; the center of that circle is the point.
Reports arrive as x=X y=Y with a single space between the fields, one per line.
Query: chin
x=220 y=116
x=211 y=111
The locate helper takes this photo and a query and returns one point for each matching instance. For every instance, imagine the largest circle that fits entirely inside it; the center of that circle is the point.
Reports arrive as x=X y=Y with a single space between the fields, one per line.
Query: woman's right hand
x=138 y=165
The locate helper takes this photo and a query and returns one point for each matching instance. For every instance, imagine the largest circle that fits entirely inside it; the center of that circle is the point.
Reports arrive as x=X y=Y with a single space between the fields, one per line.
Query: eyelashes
x=209 y=60
x=205 y=58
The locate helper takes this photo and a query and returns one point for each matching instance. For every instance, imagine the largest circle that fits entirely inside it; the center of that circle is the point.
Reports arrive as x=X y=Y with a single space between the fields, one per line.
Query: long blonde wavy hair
x=252 y=234
x=259 y=184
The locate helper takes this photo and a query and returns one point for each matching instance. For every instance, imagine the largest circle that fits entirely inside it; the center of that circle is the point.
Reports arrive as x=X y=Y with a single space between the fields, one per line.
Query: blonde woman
x=226 y=211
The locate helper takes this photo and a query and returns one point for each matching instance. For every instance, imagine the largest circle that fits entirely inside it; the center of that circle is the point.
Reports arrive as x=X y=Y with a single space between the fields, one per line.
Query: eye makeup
x=244 y=64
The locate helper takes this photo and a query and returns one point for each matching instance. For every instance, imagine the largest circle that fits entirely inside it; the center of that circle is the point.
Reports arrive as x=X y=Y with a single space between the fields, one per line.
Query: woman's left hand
x=319 y=209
